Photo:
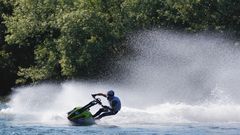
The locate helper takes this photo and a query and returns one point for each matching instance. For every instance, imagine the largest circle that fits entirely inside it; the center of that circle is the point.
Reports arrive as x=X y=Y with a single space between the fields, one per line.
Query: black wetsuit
x=115 y=104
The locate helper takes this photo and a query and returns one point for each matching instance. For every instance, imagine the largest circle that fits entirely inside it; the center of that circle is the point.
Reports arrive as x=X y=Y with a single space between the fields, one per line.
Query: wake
x=31 y=104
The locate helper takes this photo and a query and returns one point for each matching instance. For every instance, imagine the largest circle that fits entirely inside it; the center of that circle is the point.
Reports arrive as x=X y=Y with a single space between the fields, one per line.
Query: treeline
x=64 y=39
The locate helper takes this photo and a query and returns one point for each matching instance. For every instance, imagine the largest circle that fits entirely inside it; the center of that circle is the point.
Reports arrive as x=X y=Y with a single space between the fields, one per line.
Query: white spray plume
x=173 y=77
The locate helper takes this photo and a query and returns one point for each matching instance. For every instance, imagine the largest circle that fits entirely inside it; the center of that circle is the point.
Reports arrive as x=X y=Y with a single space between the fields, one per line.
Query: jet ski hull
x=81 y=117
x=83 y=122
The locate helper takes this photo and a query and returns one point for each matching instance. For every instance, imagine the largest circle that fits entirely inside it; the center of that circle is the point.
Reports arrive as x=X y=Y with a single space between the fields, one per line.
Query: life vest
x=115 y=103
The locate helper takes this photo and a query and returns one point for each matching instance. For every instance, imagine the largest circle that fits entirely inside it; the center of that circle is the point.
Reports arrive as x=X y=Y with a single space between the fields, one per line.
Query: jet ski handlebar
x=97 y=100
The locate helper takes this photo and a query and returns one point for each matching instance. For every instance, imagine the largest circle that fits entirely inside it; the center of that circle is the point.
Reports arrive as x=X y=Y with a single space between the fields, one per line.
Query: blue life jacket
x=115 y=103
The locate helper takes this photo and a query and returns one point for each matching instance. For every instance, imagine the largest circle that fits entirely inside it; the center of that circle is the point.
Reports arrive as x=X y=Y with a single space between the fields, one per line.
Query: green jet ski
x=81 y=115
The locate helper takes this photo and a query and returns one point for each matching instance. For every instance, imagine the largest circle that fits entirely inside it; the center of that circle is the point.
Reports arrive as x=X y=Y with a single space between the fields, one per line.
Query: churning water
x=171 y=78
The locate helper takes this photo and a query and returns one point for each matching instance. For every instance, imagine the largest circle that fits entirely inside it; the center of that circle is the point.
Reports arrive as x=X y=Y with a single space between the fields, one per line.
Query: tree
x=7 y=69
x=65 y=39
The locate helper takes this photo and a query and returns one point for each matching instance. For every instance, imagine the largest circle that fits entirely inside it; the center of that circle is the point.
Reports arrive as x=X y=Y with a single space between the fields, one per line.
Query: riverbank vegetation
x=65 y=39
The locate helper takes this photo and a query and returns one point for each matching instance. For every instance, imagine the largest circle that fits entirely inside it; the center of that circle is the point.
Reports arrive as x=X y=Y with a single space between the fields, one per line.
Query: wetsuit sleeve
x=100 y=94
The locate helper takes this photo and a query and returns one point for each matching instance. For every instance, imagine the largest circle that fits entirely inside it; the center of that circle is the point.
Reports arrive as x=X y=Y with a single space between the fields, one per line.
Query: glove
x=93 y=95
x=106 y=107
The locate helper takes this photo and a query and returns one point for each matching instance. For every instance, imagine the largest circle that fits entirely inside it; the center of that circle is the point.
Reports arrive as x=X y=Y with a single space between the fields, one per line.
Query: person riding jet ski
x=115 y=105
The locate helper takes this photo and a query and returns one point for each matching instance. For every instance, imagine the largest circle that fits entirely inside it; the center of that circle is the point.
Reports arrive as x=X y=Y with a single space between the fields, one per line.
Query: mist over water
x=171 y=77
x=178 y=67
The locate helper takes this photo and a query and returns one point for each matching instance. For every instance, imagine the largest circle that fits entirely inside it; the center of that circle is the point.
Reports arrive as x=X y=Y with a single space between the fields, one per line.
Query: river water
x=175 y=83
x=11 y=127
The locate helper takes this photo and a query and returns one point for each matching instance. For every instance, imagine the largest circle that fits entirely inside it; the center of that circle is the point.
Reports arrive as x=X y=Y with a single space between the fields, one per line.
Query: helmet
x=110 y=93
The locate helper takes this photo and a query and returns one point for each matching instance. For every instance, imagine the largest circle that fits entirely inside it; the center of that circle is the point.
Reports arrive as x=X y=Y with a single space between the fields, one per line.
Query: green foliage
x=61 y=39
x=193 y=15
x=74 y=37
x=7 y=68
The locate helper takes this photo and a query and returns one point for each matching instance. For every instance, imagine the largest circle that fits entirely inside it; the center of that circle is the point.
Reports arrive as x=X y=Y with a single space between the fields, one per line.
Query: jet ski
x=81 y=115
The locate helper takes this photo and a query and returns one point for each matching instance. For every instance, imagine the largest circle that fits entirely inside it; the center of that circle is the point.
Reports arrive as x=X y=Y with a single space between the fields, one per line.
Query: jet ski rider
x=115 y=105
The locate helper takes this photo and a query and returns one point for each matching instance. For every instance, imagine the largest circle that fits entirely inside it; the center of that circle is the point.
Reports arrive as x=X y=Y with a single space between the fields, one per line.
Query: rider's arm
x=99 y=94
x=107 y=107
x=114 y=104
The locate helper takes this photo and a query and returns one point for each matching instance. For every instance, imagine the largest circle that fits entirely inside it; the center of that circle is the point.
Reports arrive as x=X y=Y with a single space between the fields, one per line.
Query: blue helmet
x=110 y=93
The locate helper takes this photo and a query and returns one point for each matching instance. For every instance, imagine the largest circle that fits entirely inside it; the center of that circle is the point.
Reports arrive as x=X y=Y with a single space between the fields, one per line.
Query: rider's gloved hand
x=106 y=107
x=93 y=95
